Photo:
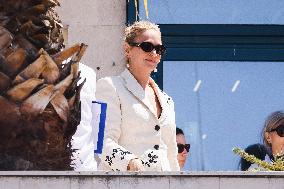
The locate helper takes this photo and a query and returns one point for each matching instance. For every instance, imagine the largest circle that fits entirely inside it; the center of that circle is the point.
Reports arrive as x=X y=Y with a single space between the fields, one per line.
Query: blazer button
x=156 y=147
x=157 y=127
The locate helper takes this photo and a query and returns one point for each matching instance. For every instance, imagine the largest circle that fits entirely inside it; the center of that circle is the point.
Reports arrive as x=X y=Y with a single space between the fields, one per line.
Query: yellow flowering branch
x=145 y=7
x=276 y=165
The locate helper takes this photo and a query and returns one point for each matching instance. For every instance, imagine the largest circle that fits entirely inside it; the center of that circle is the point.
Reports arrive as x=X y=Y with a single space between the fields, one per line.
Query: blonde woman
x=273 y=132
x=140 y=133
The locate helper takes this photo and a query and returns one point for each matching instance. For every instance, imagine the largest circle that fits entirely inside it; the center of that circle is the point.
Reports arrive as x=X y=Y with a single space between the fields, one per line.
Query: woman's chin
x=151 y=63
x=152 y=67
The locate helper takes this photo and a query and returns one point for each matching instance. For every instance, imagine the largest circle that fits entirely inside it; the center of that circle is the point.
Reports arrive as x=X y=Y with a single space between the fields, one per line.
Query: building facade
x=223 y=66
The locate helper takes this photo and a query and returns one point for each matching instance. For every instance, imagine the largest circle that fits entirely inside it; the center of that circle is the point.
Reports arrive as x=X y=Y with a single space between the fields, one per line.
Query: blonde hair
x=136 y=29
x=272 y=121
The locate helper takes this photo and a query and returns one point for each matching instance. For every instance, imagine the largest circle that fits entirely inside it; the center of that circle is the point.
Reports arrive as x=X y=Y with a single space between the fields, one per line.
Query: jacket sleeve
x=173 y=151
x=82 y=140
x=113 y=155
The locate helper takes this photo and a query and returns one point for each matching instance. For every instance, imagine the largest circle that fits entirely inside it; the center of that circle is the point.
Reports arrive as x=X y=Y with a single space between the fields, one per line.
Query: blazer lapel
x=161 y=97
x=136 y=89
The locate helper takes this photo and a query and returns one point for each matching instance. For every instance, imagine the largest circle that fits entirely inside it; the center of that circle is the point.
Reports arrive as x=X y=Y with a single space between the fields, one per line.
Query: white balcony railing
x=145 y=180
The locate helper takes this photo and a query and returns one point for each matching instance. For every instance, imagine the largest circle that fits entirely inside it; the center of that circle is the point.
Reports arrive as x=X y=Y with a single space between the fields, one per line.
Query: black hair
x=179 y=131
x=258 y=150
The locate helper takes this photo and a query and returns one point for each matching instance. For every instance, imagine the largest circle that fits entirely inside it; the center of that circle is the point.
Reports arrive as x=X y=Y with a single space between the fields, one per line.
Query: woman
x=140 y=124
x=273 y=133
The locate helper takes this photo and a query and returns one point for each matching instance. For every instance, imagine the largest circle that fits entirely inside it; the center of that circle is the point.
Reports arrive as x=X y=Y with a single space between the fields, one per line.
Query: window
x=228 y=66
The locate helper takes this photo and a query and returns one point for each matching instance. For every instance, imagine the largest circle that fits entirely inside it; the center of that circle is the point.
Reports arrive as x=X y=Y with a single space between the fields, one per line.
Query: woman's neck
x=142 y=78
x=277 y=150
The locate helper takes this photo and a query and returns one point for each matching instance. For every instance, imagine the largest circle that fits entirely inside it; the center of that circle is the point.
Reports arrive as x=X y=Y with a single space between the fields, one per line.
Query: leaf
x=146 y=8
x=14 y=62
x=51 y=71
x=34 y=70
x=5 y=38
x=60 y=105
x=65 y=54
x=276 y=165
x=136 y=9
x=5 y=82
x=64 y=84
x=36 y=103
x=23 y=90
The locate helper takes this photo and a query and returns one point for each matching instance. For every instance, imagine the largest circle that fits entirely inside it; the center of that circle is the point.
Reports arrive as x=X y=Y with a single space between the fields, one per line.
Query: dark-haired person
x=140 y=122
x=183 y=148
x=259 y=151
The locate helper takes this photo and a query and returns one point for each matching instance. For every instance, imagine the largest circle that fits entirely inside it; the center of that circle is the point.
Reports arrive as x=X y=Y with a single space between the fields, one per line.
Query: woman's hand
x=135 y=165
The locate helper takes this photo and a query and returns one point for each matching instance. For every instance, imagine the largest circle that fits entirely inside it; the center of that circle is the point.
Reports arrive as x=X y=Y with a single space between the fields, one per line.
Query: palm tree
x=40 y=93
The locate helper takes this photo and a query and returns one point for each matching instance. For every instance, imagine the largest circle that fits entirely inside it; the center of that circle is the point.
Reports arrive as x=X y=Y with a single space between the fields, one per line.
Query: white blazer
x=132 y=127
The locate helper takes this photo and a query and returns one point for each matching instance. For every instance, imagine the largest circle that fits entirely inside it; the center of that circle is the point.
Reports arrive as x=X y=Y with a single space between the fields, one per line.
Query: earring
x=127 y=62
x=155 y=70
x=268 y=139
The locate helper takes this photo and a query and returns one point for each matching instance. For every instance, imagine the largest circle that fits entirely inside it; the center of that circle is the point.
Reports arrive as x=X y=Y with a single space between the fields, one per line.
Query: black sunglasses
x=181 y=147
x=279 y=130
x=149 y=47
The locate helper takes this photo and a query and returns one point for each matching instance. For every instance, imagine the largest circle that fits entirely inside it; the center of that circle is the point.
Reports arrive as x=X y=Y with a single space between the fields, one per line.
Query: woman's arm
x=113 y=155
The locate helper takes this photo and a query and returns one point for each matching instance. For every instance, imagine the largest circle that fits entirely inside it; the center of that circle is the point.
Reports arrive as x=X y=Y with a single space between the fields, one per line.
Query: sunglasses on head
x=149 y=47
x=279 y=130
x=181 y=147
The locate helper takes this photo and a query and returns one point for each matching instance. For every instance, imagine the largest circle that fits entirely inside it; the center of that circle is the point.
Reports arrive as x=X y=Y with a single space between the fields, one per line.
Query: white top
x=82 y=140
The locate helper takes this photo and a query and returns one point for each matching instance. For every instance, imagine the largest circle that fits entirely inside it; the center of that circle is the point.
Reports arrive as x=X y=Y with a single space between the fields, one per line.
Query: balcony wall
x=147 y=180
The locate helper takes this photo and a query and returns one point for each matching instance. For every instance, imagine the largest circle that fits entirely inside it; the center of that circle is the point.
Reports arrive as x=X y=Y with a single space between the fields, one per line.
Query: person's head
x=143 y=46
x=273 y=132
x=183 y=148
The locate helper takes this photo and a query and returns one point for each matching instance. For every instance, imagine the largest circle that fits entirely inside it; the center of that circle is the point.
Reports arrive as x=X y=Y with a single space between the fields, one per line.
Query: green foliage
x=276 y=165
